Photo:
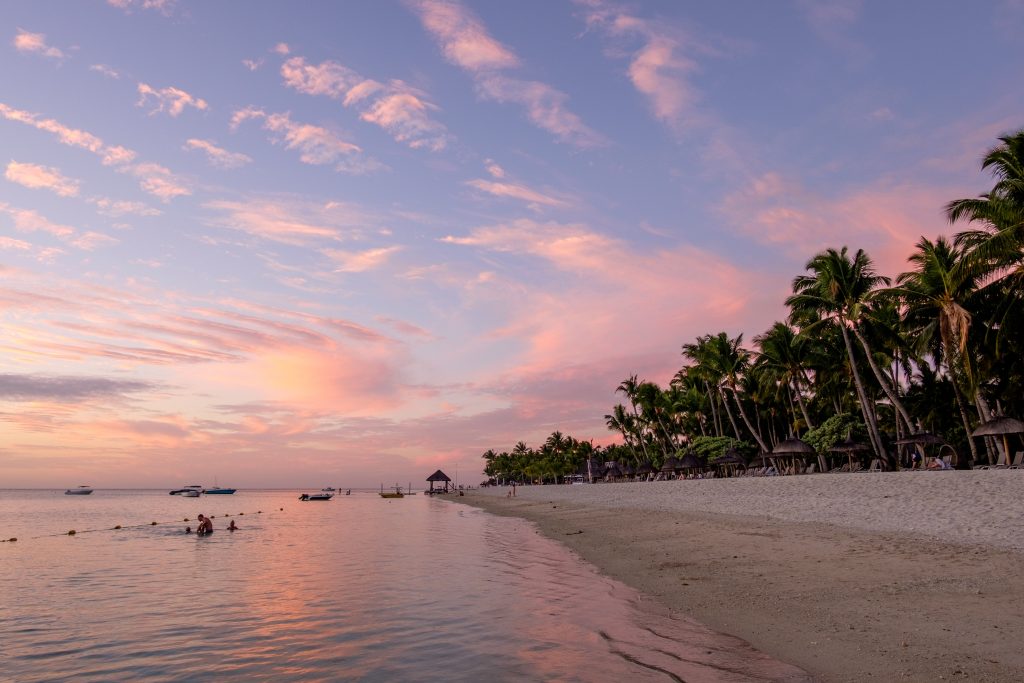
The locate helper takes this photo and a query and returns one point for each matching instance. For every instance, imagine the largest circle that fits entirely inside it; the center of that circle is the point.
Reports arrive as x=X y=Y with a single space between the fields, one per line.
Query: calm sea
x=357 y=588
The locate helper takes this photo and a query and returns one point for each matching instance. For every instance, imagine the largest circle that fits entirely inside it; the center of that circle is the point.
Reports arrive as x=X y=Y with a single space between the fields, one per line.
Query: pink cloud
x=35 y=42
x=465 y=42
x=11 y=243
x=401 y=110
x=41 y=177
x=659 y=69
x=90 y=240
x=360 y=261
x=105 y=70
x=161 y=6
x=219 y=157
x=158 y=181
x=291 y=221
x=464 y=39
x=885 y=219
x=170 y=100
x=69 y=136
x=117 y=207
x=316 y=145
x=27 y=220
x=515 y=191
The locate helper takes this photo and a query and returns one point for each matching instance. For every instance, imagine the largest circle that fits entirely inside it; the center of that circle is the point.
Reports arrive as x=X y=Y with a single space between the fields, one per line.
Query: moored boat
x=185 y=489
x=316 y=496
x=82 y=490
x=397 y=493
x=217 y=489
x=190 y=493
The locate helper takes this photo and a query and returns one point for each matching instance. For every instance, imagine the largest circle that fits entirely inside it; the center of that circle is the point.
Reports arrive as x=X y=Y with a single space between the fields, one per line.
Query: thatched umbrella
x=920 y=439
x=849 y=447
x=731 y=459
x=439 y=476
x=690 y=462
x=670 y=465
x=1001 y=426
x=645 y=468
x=794 y=448
x=628 y=471
x=759 y=461
x=612 y=470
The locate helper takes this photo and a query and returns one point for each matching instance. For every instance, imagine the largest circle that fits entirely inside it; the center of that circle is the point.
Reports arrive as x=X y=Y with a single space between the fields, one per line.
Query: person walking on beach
x=205 y=525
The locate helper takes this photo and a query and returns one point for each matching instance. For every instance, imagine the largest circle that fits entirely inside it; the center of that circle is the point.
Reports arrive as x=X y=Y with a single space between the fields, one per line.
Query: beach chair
x=876 y=465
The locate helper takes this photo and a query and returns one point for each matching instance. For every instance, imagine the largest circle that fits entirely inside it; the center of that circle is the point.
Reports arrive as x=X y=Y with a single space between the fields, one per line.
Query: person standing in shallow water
x=205 y=525
x=232 y=527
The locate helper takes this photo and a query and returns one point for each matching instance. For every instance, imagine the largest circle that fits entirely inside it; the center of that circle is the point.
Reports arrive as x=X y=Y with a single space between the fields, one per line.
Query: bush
x=714 y=447
x=835 y=429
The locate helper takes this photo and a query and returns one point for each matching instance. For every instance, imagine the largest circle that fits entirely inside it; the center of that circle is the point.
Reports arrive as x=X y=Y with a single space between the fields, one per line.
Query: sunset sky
x=317 y=243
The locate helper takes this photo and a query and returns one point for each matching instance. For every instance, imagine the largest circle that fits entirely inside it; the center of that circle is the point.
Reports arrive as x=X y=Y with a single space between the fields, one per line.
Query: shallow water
x=357 y=588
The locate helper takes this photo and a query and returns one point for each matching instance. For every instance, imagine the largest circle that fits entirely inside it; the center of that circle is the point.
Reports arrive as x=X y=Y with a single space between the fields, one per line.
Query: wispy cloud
x=171 y=100
x=120 y=207
x=14 y=387
x=290 y=221
x=161 y=6
x=158 y=181
x=11 y=243
x=88 y=241
x=41 y=177
x=29 y=220
x=105 y=70
x=219 y=157
x=532 y=197
x=252 y=64
x=403 y=111
x=660 y=66
x=466 y=43
x=360 y=261
x=316 y=145
x=35 y=42
x=111 y=155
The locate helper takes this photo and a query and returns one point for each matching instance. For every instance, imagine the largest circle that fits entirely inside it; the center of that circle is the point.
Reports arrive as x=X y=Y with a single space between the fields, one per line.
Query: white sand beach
x=910 y=576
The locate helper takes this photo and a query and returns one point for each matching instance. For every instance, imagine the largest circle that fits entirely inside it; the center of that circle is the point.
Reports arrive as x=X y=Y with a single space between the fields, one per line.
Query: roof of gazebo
x=439 y=476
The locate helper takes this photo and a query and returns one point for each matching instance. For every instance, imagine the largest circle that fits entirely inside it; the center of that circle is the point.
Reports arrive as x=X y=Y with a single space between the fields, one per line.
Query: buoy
x=118 y=526
x=152 y=523
x=282 y=509
x=241 y=513
x=11 y=540
x=259 y=512
x=185 y=520
x=71 y=533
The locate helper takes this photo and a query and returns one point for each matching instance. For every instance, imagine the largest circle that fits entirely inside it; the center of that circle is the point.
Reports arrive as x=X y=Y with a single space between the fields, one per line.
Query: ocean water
x=356 y=588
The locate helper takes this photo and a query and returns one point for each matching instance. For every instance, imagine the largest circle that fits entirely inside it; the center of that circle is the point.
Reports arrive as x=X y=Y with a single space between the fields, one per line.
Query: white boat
x=316 y=496
x=80 y=491
x=187 y=491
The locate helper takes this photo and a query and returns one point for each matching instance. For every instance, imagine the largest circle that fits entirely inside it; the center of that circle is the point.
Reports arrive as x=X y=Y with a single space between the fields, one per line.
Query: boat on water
x=82 y=490
x=396 y=493
x=218 y=490
x=191 y=493
x=185 y=489
x=323 y=495
x=329 y=489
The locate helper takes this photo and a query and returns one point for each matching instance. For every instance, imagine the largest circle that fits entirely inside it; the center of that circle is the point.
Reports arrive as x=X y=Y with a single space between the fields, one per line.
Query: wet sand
x=853 y=577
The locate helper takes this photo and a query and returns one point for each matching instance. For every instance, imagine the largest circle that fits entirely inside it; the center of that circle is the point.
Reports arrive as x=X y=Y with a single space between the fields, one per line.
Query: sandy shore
x=911 y=576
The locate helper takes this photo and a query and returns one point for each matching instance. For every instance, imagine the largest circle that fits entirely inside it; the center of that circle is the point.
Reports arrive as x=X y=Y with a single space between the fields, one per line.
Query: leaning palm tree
x=835 y=292
x=783 y=355
x=629 y=387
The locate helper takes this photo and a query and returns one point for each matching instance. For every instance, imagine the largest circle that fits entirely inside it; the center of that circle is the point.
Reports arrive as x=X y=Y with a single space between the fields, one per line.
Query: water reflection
x=358 y=588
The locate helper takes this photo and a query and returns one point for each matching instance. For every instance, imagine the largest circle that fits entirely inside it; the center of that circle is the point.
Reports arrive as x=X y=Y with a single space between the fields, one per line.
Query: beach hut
x=690 y=463
x=1001 y=426
x=789 y=451
x=439 y=476
x=920 y=439
x=645 y=470
x=612 y=472
x=628 y=472
x=849 y=447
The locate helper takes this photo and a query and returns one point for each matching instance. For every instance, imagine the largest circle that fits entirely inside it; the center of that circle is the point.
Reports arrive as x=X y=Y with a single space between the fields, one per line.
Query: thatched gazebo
x=670 y=466
x=730 y=462
x=792 y=449
x=439 y=476
x=1001 y=426
x=690 y=461
x=849 y=447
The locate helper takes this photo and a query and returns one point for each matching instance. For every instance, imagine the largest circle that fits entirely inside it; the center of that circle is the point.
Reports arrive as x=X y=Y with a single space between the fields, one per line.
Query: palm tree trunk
x=714 y=411
x=803 y=406
x=746 y=421
x=728 y=410
x=962 y=405
x=884 y=381
x=869 y=416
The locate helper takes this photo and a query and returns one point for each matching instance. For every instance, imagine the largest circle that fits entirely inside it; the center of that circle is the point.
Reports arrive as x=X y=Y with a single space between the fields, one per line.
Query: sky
x=322 y=243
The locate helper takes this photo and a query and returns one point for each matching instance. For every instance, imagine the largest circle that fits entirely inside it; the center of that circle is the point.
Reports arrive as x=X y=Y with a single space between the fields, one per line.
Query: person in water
x=188 y=530
x=205 y=525
x=232 y=527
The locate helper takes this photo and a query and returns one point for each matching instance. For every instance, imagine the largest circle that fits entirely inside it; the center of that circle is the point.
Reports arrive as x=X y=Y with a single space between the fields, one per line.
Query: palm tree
x=783 y=354
x=998 y=248
x=835 y=293
x=725 y=360
x=937 y=295
x=629 y=387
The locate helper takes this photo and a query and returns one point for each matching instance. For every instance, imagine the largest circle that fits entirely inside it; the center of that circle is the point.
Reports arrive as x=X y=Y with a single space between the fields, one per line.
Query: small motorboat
x=190 y=493
x=316 y=496
x=184 y=490
x=217 y=489
x=329 y=489
x=82 y=490
x=397 y=493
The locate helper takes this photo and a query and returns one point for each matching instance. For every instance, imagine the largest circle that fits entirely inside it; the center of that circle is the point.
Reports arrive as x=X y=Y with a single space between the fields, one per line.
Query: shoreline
x=852 y=577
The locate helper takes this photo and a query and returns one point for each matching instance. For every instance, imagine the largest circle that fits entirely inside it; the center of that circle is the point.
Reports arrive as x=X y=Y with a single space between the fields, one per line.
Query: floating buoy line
x=119 y=527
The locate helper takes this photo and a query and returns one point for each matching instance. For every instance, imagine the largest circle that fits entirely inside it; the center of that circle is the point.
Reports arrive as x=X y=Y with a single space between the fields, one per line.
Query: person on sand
x=205 y=525
x=939 y=464
x=232 y=527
